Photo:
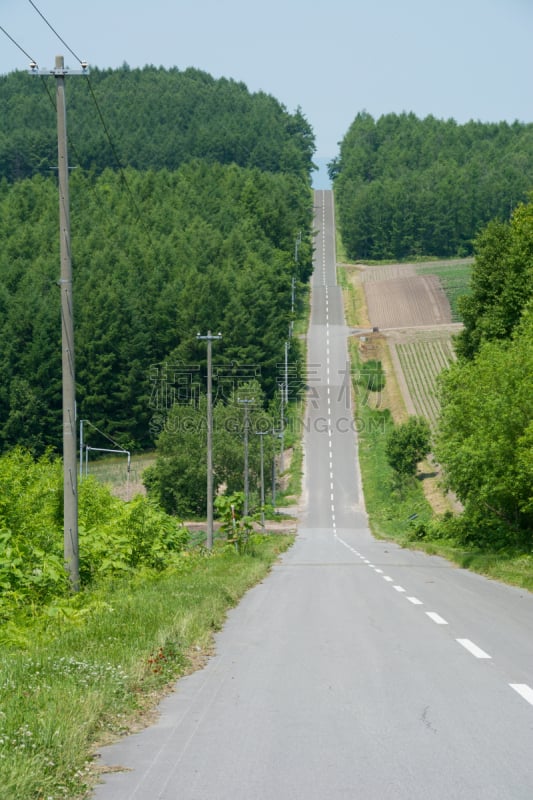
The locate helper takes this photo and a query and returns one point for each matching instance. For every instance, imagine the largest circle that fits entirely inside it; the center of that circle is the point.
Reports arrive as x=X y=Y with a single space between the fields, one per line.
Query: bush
x=114 y=537
x=407 y=444
x=372 y=376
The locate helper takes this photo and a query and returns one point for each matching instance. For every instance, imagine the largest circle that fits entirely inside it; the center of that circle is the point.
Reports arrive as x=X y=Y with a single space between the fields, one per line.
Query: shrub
x=407 y=444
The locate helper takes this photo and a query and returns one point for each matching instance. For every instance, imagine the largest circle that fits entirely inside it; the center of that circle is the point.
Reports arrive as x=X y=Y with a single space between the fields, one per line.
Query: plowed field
x=414 y=313
x=407 y=301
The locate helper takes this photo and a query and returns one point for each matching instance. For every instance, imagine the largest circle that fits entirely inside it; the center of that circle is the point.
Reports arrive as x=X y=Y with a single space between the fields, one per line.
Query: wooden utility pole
x=70 y=472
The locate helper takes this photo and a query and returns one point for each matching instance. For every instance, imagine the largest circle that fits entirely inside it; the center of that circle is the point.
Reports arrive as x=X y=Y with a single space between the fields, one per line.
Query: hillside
x=408 y=187
x=148 y=118
x=195 y=231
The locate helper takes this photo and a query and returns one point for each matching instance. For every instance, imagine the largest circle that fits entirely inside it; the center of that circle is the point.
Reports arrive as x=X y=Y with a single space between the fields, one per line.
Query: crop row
x=455 y=280
x=421 y=361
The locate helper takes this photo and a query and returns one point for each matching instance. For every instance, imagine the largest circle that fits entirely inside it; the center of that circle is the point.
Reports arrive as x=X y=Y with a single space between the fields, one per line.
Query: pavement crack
x=427 y=722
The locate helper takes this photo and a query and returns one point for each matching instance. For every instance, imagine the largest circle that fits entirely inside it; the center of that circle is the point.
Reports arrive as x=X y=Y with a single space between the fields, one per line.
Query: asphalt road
x=356 y=670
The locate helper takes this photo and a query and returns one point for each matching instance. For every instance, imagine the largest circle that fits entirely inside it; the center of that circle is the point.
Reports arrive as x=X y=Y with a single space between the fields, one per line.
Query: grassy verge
x=402 y=513
x=87 y=678
x=515 y=569
x=392 y=509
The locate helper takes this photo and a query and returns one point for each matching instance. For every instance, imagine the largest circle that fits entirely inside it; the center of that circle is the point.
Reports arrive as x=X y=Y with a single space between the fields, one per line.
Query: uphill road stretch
x=356 y=670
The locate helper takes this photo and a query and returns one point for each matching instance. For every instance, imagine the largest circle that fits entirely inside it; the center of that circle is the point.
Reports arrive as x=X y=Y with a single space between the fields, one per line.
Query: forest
x=406 y=186
x=150 y=118
x=182 y=236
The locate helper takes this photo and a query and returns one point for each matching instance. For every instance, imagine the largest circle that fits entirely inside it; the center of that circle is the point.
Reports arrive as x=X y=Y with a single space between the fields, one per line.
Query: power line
x=91 y=90
x=97 y=106
x=54 y=31
x=117 y=159
x=17 y=45
x=102 y=121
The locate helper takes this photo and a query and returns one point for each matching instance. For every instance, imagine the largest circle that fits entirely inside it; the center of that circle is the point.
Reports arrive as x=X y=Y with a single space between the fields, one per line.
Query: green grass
x=455 y=279
x=301 y=322
x=515 y=569
x=113 y=471
x=86 y=677
x=352 y=300
x=340 y=250
x=390 y=507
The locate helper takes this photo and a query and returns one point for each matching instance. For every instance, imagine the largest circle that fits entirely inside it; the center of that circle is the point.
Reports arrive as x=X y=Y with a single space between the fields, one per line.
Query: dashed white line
x=399 y=588
x=415 y=601
x=436 y=618
x=380 y=571
x=473 y=648
x=524 y=691
x=386 y=578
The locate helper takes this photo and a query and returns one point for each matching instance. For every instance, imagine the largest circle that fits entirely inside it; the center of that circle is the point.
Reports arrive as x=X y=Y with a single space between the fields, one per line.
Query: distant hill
x=407 y=186
x=156 y=118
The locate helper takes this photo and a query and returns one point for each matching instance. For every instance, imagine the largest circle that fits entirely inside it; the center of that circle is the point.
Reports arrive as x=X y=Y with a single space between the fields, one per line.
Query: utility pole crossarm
x=59 y=69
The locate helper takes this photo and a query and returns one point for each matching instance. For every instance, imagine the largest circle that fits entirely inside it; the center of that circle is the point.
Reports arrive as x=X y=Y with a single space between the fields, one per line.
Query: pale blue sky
x=466 y=59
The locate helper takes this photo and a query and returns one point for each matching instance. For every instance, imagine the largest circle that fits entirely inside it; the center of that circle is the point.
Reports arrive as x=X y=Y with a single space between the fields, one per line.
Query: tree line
x=485 y=436
x=149 y=118
x=406 y=186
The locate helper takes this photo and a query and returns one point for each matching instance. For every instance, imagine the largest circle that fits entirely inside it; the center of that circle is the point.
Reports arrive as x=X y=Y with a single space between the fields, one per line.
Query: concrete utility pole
x=276 y=435
x=282 y=426
x=210 y=338
x=246 y=403
x=286 y=373
x=262 y=480
x=70 y=482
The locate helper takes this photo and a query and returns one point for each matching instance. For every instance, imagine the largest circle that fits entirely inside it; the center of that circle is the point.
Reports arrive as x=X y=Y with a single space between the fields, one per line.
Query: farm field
x=454 y=277
x=409 y=300
x=415 y=307
x=418 y=359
